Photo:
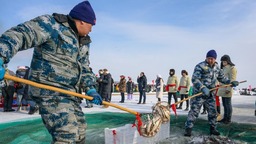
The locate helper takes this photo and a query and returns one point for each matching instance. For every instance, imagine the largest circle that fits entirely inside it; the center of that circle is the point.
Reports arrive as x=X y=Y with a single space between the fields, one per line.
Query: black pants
x=122 y=97
x=205 y=108
x=170 y=97
x=7 y=93
x=182 y=96
x=142 y=95
x=226 y=102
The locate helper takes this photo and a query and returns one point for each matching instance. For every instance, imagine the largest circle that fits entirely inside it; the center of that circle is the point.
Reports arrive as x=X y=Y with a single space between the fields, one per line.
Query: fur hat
x=172 y=71
x=105 y=71
x=227 y=59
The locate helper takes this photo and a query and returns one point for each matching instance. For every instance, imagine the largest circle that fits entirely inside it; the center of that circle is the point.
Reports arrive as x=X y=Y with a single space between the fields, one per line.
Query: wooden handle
x=43 y=86
x=198 y=94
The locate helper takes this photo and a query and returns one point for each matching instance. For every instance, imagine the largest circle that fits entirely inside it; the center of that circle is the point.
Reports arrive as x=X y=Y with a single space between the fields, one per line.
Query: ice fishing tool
x=173 y=106
x=151 y=122
x=147 y=124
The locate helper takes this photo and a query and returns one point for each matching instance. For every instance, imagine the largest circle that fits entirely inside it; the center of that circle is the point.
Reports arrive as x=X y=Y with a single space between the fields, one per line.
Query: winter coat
x=122 y=85
x=230 y=72
x=106 y=85
x=26 y=96
x=142 y=83
x=159 y=87
x=99 y=82
x=206 y=76
x=184 y=85
x=60 y=58
x=9 y=82
x=112 y=84
x=20 y=87
x=129 y=87
x=172 y=84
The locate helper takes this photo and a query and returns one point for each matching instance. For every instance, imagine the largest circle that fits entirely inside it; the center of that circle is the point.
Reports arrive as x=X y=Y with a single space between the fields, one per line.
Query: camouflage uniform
x=60 y=59
x=205 y=76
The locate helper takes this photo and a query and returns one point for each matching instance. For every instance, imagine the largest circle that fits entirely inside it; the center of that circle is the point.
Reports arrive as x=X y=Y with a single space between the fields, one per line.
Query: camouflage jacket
x=206 y=76
x=60 y=58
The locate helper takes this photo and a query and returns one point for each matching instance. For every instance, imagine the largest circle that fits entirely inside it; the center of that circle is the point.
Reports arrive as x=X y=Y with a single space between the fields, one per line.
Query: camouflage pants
x=63 y=118
x=195 y=107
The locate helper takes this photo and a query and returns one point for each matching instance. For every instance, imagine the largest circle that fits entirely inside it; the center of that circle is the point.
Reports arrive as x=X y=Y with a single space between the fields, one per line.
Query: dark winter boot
x=32 y=110
x=188 y=132
x=204 y=112
x=222 y=120
x=213 y=131
x=228 y=121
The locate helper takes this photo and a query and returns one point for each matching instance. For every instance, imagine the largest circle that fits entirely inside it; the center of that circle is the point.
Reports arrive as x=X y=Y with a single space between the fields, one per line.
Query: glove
x=96 y=97
x=2 y=72
x=234 y=83
x=205 y=91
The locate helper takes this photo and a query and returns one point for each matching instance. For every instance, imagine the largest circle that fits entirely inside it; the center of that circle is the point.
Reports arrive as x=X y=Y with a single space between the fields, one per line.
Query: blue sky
x=154 y=35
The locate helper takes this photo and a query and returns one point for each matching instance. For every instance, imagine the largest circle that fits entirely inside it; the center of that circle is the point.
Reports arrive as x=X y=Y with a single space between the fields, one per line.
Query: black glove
x=96 y=97
x=234 y=83
x=205 y=91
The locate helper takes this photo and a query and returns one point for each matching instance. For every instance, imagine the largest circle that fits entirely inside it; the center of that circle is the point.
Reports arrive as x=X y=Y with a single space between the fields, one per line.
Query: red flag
x=139 y=122
x=174 y=109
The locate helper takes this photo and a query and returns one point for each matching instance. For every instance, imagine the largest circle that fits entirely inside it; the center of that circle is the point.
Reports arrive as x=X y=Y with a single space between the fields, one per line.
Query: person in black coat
x=99 y=82
x=112 y=88
x=106 y=85
x=33 y=107
x=7 y=92
x=142 y=83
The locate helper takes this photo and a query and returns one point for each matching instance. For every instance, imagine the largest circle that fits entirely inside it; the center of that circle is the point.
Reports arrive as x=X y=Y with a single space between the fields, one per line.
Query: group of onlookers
x=16 y=94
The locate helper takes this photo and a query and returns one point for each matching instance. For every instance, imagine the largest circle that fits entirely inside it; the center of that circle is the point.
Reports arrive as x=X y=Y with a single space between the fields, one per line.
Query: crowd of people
x=16 y=94
x=61 y=59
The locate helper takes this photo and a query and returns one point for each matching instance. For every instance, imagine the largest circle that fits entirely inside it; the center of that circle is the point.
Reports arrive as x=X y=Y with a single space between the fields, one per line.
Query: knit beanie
x=212 y=54
x=84 y=12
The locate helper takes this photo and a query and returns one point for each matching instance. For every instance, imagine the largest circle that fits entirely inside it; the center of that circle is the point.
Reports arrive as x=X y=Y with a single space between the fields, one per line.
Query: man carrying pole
x=204 y=78
x=60 y=59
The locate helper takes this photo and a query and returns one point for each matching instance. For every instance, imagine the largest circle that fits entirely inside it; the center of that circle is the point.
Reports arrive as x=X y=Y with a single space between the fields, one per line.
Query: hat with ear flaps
x=227 y=59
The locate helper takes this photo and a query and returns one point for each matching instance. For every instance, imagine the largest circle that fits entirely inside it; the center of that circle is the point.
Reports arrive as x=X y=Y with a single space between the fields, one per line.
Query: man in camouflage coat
x=60 y=59
x=204 y=78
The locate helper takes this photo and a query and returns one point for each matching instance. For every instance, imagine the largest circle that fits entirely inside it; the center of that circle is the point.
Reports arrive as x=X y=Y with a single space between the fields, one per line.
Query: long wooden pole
x=202 y=93
x=43 y=86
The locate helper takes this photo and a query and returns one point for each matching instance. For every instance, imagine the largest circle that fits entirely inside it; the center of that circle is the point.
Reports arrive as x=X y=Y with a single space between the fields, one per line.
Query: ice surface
x=243 y=112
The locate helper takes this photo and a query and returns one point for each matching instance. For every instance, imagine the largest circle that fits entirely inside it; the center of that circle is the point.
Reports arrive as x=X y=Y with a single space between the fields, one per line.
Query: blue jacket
x=206 y=76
